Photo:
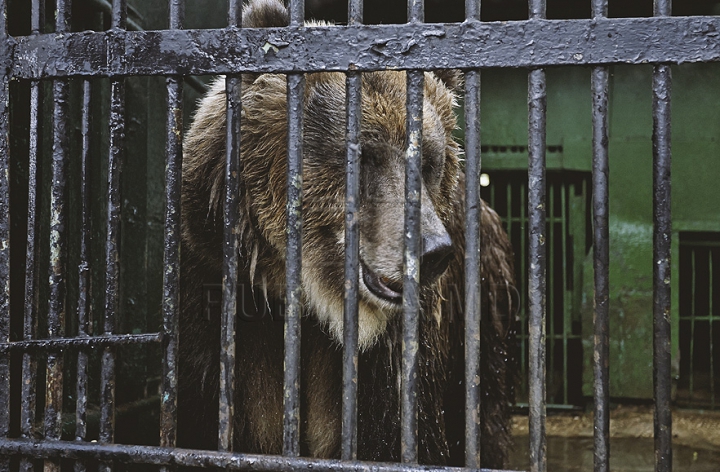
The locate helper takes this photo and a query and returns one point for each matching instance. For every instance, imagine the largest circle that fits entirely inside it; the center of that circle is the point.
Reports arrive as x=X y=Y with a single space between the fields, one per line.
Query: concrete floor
x=696 y=441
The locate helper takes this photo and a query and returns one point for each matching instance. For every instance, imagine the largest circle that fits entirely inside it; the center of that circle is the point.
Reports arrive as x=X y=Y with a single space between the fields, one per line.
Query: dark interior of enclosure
x=140 y=369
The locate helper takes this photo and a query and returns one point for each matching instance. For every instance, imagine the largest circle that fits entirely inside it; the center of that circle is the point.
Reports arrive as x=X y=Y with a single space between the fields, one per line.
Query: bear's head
x=382 y=179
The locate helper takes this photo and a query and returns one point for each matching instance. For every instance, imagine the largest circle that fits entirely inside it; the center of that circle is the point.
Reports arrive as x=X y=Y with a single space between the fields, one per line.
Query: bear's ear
x=452 y=78
x=265 y=14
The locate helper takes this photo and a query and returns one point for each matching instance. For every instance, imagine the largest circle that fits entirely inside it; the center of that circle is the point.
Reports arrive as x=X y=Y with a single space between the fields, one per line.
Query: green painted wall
x=696 y=193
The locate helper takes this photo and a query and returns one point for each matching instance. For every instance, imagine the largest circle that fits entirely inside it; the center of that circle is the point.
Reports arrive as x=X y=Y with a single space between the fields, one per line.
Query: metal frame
x=471 y=45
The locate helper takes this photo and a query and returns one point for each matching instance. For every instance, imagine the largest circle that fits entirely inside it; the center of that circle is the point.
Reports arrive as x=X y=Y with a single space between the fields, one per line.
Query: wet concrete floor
x=567 y=454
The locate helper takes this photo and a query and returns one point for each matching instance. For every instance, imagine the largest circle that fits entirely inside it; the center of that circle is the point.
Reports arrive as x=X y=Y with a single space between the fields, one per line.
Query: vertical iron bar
x=83 y=308
x=291 y=423
x=117 y=136
x=352 y=251
x=293 y=266
x=231 y=246
x=112 y=262
x=711 y=321
x=411 y=267
x=473 y=208
x=662 y=235
x=234 y=13
x=58 y=247
x=416 y=11
x=355 y=12
x=119 y=14
x=4 y=236
x=601 y=259
x=171 y=256
x=537 y=268
x=693 y=282
x=565 y=302
x=550 y=270
x=297 y=12
x=29 y=363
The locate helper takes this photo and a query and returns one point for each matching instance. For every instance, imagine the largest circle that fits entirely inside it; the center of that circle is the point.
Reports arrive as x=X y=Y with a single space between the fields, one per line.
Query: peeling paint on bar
x=472 y=44
x=411 y=268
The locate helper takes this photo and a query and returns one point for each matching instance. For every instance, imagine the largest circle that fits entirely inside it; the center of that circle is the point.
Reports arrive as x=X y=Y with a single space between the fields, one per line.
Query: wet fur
x=258 y=413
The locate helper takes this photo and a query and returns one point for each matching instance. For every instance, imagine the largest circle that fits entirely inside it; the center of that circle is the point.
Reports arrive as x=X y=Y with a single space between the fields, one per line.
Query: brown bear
x=258 y=409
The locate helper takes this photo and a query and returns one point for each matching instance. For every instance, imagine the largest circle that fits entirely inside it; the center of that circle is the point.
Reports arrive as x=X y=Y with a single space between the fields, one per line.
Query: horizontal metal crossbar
x=197 y=458
x=60 y=344
x=472 y=44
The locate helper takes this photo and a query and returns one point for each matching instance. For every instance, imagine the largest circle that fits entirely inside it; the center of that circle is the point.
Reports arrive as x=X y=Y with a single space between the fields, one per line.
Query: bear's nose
x=436 y=254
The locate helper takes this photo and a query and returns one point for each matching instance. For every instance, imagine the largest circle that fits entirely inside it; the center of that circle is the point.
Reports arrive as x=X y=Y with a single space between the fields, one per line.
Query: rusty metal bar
x=601 y=260
x=473 y=210
x=82 y=342
x=171 y=256
x=416 y=11
x=83 y=308
x=601 y=247
x=662 y=236
x=5 y=62
x=353 y=107
x=231 y=246
x=235 y=13
x=531 y=43
x=293 y=280
x=58 y=247
x=200 y=458
x=537 y=256
x=411 y=268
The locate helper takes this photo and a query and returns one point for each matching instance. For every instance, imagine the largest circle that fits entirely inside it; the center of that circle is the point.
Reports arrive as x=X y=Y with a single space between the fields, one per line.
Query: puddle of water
x=626 y=455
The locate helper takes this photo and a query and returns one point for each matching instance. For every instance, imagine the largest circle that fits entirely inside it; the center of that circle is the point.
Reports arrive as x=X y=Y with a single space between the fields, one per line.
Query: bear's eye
x=432 y=169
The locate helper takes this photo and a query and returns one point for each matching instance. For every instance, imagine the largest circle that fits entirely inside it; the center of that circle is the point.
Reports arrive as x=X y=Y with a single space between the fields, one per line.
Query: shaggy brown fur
x=258 y=416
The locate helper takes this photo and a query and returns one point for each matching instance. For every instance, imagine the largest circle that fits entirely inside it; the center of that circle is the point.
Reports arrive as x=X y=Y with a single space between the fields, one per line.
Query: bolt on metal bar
x=411 y=268
x=231 y=246
x=601 y=259
x=662 y=234
x=473 y=209
x=83 y=308
x=353 y=104
x=4 y=239
x=293 y=274
x=537 y=268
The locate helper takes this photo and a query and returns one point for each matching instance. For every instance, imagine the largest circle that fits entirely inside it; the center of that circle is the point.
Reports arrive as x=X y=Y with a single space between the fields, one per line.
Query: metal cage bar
x=112 y=245
x=537 y=257
x=601 y=259
x=28 y=398
x=231 y=246
x=171 y=257
x=4 y=237
x=293 y=264
x=411 y=268
x=83 y=308
x=473 y=208
x=662 y=236
x=353 y=105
